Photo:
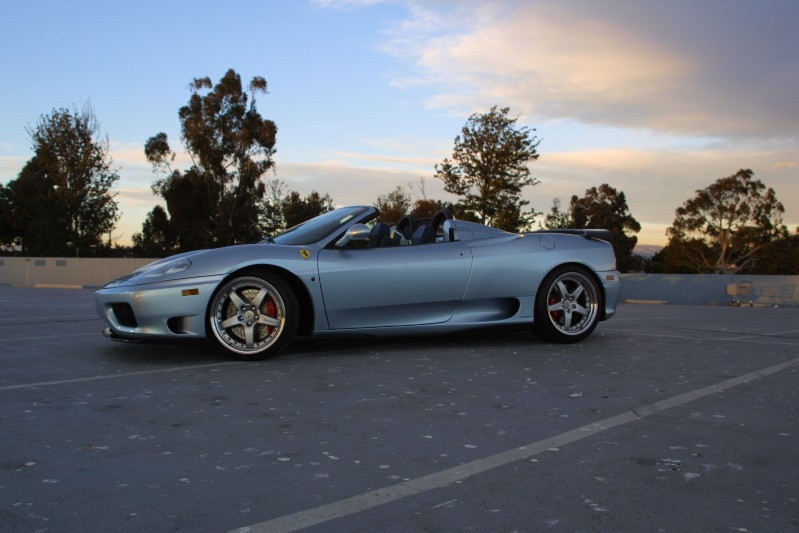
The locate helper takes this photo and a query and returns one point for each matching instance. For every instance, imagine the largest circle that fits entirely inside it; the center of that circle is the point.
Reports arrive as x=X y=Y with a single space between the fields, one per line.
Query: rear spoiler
x=601 y=234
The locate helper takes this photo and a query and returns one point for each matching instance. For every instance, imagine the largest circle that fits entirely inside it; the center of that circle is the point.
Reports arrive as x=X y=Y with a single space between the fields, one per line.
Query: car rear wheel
x=567 y=306
x=253 y=315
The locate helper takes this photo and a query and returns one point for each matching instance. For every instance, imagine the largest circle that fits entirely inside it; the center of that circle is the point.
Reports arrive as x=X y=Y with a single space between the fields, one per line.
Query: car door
x=394 y=286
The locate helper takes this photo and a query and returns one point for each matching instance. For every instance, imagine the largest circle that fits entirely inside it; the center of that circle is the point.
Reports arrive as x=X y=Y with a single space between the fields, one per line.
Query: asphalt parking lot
x=669 y=418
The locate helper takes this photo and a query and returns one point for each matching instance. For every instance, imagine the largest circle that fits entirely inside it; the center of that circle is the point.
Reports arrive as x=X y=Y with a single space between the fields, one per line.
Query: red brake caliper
x=553 y=314
x=271 y=312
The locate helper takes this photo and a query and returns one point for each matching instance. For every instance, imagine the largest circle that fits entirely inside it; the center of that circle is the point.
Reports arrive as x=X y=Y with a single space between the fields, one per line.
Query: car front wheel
x=253 y=315
x=567 y=305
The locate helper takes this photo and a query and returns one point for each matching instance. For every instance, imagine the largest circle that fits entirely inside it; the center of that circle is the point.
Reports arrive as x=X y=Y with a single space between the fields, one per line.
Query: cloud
x=425 y=162
x=134 y=205
x=130 y=158
x=133 y=196
x=656 y=182
x=349 y=184
x=782 y=165
x=714 y=68
x=10 y=167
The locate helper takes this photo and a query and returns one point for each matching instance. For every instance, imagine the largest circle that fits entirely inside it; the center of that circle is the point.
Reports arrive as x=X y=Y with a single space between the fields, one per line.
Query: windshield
x=318 y=228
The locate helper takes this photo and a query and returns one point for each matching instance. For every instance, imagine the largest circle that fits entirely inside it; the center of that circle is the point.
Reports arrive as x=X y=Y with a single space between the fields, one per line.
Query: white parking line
x=369 y=500
x=40 y=337
x=120 y=375
x=765 y=338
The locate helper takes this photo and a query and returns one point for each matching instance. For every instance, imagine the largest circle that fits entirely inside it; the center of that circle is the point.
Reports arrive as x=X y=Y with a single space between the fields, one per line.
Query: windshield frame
x=322 y=227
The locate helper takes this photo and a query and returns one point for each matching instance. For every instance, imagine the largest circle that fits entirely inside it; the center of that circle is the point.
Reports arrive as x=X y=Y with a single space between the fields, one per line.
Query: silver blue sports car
x=345 y=272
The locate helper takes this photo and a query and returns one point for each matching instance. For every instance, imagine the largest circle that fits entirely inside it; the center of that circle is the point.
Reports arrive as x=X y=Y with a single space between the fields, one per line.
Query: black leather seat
x=406 y=226
x=438 y=222
x=423 y=235
x=379 y=235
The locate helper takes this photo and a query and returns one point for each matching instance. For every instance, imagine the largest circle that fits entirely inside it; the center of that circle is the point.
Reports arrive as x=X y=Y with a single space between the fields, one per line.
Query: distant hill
x=647 y=250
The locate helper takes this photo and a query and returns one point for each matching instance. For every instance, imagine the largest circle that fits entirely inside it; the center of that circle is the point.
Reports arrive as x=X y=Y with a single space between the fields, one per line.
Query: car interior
x=411 y=232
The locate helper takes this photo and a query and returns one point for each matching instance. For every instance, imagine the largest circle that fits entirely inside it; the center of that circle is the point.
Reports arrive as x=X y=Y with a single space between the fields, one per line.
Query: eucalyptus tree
x=726 y=227
x=216 y=201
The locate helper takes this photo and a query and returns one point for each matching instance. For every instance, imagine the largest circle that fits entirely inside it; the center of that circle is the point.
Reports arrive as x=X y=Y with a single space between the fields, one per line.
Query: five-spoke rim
x=572 y=303
x=248 y=315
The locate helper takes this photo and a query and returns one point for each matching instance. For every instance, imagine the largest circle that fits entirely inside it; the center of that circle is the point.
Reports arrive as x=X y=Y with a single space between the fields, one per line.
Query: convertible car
x=347 y=273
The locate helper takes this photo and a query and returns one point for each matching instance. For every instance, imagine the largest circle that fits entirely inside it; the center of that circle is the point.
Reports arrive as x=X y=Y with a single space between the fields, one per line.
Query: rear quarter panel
x=515 y=266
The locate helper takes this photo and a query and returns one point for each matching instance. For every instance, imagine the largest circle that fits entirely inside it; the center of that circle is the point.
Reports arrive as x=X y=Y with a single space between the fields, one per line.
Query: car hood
x=211 y=262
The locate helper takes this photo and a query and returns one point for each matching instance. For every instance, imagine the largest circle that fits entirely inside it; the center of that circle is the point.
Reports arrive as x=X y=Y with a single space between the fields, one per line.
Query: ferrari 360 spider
x=346 y=273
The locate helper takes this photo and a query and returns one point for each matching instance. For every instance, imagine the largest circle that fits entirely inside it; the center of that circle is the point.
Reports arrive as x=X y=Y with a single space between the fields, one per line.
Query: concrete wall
x=782 y=291
x=67 y=273
x=711 y=289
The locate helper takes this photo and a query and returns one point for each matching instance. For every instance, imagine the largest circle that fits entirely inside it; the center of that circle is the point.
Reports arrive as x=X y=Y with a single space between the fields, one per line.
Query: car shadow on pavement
x=204 y=351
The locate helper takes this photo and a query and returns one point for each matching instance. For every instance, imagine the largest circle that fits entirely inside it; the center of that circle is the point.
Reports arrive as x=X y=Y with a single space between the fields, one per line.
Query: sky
x=657 y=99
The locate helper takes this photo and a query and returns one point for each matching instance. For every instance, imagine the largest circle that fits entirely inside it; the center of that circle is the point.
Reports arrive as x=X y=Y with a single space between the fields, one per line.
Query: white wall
x=61 y=272
x=711 y=289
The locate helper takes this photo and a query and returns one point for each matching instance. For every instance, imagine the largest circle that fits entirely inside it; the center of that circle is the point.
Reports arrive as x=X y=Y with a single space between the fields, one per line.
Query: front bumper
x=174 y=309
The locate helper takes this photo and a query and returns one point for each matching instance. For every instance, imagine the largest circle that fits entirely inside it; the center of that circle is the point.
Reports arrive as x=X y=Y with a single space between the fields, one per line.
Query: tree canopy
x=727 y=227
x=156 y=238
x=398 y=203
x=601 y=208
x=490 y=167
x=606 y=208
x=557 y=218
x=216 y=201
x=393 y=205
x=281 y=209
x=297 y=208
x=61 y=203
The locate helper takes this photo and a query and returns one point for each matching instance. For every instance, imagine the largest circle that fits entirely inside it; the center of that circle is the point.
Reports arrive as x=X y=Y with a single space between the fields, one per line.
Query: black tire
x=253 y=315
x=568 y=305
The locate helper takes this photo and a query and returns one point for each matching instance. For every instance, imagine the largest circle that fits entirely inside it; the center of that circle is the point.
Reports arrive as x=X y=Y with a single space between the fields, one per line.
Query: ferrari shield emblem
x=306 y=254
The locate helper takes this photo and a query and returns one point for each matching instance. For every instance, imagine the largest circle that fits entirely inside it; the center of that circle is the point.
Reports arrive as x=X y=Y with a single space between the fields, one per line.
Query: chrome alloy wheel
x=248 y=315
x=572 y=303
x=568 y=304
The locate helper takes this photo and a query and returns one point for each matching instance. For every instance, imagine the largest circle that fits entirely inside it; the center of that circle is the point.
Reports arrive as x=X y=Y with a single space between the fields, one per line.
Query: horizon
x=655 y=100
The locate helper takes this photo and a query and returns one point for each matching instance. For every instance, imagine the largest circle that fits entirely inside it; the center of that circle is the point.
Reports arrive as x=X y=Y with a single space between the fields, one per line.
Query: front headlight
x=167 y=269
x=158 y=269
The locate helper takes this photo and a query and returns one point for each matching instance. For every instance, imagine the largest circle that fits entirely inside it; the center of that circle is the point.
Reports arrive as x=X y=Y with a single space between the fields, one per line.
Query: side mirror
x=355 y=233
